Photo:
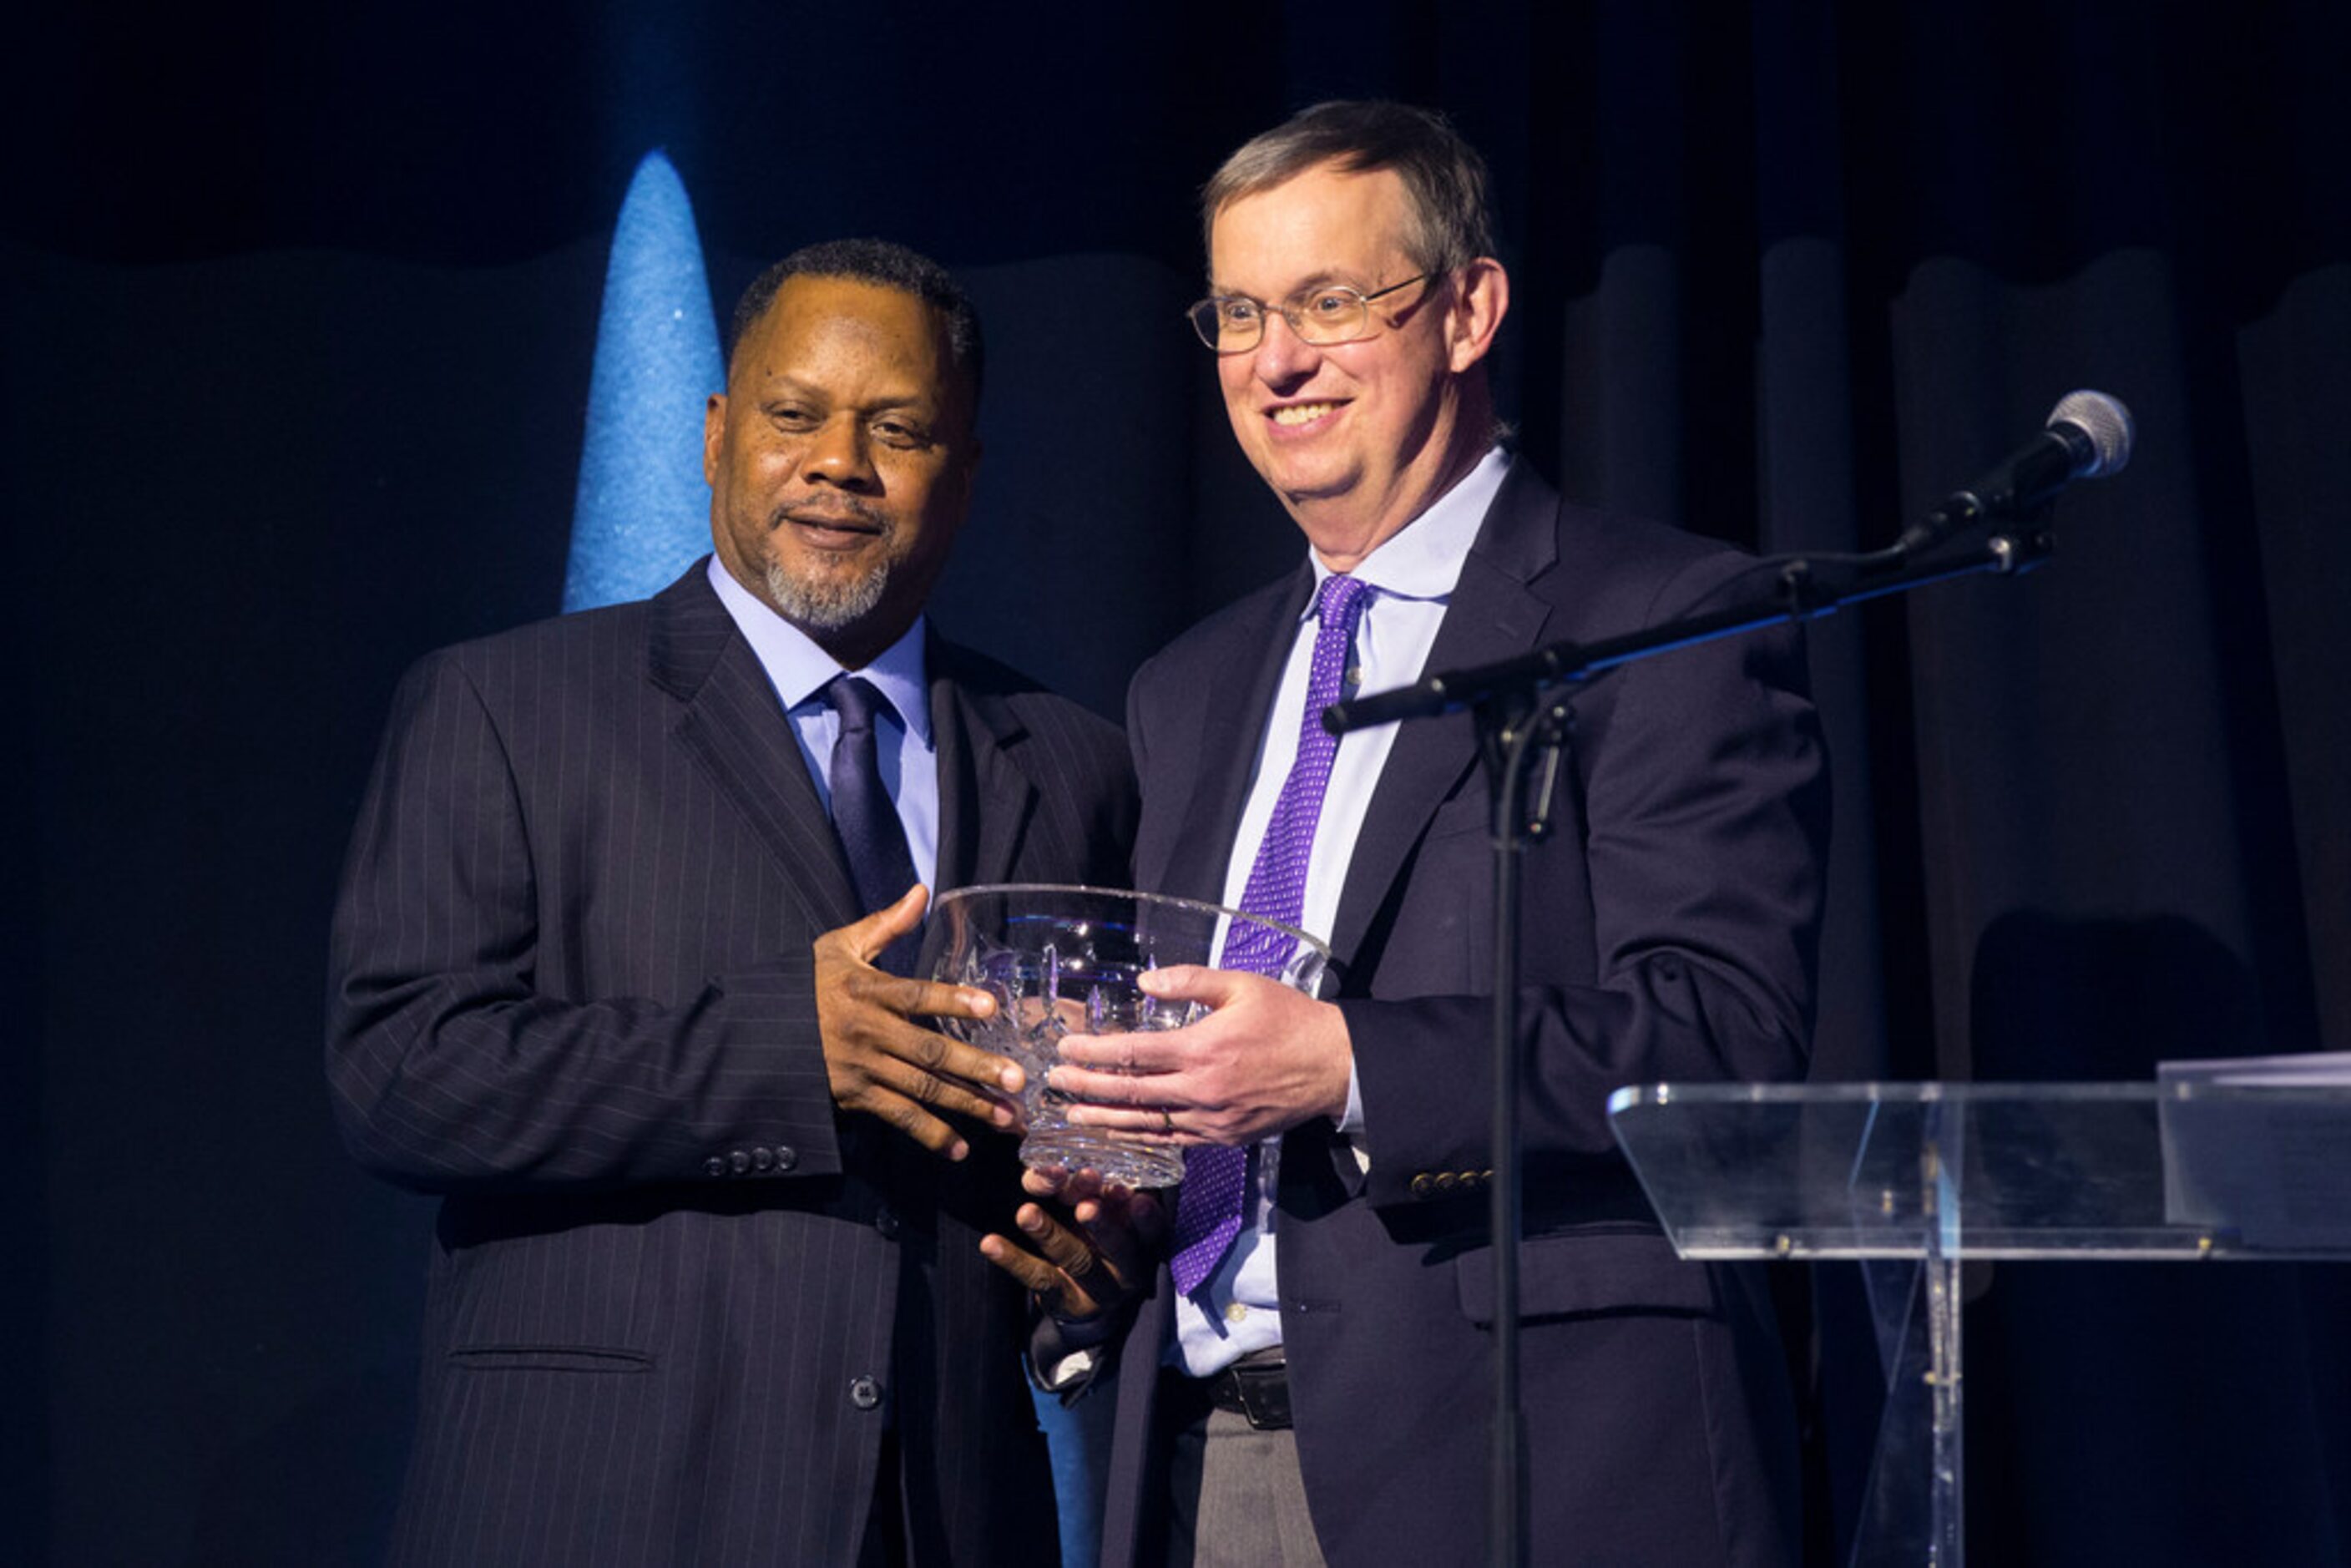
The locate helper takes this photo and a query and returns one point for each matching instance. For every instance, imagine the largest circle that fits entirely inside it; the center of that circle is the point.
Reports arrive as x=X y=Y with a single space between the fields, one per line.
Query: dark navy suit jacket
x=1669 y=935
x=676 y=1296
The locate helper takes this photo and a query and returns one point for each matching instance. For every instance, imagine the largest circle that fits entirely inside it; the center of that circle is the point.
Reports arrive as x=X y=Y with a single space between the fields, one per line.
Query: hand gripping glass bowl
x=1064 y=960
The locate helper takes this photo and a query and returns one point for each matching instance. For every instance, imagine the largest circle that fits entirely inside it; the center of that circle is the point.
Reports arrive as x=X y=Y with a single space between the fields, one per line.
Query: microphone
x=2088 y=437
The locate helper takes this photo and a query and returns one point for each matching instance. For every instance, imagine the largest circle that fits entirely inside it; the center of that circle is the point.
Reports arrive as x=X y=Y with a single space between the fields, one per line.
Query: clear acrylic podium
x=1910 y=1180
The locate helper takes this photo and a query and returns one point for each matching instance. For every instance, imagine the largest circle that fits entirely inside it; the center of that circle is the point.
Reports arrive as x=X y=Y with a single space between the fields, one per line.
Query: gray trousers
x=1236 y=1498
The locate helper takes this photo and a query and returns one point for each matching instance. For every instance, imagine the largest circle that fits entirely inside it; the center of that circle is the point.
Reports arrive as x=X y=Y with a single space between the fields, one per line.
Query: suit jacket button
x=886 y=1222
x=786 y=1157
x=763 y=1159
x=864 y=1392
x=713 y=1165
x=1424 y=1185
x=740 y=1161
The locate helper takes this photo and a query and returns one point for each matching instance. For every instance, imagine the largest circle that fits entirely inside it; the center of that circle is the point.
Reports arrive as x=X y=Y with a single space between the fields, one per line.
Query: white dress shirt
x=1411 y=575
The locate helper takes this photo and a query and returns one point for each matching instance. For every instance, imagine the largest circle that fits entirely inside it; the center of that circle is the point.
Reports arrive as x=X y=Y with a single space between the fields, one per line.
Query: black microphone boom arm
x=1797 y=595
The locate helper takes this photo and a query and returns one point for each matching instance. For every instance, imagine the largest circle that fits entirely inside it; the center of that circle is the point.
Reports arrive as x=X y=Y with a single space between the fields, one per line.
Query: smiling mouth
x=834 y=524
x=1302 y=413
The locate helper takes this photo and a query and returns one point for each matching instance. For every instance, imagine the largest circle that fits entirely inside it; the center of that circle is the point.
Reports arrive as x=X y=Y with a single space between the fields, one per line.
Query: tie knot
x=1342 y=596
x=858 y=702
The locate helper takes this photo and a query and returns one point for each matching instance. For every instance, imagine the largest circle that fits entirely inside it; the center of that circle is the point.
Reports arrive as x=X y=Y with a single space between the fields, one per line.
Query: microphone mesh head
x=2105 y=422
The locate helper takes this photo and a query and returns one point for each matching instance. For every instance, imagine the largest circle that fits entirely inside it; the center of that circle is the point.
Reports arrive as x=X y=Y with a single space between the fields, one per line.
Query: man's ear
x=714 y=436
x=1480 y=300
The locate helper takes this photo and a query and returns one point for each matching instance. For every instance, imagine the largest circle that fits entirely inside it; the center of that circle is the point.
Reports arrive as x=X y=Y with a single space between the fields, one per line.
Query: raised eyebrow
x=784 y=387
x=784 y=384
x=1314 y=280
x=1324 y=279
x=914 y=404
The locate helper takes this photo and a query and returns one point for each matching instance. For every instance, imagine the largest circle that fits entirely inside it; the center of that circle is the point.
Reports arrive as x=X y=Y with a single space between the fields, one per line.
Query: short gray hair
x=1443 y=175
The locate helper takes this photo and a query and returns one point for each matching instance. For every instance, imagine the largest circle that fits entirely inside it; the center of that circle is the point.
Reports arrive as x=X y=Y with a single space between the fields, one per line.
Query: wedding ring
x=1167 y=1123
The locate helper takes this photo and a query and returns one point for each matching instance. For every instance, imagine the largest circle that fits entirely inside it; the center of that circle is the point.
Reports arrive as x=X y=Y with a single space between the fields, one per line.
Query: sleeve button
x=864 y=1393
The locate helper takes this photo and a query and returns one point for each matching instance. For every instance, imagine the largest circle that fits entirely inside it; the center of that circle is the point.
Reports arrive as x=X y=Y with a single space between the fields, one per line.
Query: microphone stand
x=1524 y=725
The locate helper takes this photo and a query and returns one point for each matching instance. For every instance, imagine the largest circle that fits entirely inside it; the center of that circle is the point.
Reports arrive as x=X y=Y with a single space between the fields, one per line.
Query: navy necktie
x=864 y=816
x=1209 y=1203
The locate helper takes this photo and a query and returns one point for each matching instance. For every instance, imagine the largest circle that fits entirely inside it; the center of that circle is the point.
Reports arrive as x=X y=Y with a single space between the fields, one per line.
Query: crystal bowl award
x=1064 y=960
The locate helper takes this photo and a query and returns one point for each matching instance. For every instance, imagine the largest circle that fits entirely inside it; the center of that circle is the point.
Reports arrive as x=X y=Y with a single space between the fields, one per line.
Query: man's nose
x=840 y=454
x=1282 y=357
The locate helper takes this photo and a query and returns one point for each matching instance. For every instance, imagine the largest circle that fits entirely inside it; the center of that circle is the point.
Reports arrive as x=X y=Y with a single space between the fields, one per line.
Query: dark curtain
x=298 y=307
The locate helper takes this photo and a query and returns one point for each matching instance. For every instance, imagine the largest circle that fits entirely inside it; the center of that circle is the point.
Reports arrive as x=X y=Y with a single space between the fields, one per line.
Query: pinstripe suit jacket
x=674 y=1296
x=1669 y=930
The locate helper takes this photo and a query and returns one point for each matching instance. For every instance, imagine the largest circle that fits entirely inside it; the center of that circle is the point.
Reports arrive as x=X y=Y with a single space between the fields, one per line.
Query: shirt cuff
x=1352 y=1122
x=1070 y=1371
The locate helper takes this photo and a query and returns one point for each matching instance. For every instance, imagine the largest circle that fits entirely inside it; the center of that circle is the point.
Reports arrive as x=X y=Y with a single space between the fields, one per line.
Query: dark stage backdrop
x=298 y=314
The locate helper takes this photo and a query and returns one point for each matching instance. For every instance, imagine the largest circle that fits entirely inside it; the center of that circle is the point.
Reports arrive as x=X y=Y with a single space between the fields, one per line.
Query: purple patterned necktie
x=1209 y=1205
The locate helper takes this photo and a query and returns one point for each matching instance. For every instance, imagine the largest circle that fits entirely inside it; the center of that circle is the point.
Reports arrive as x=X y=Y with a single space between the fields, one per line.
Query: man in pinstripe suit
x=706 y=1285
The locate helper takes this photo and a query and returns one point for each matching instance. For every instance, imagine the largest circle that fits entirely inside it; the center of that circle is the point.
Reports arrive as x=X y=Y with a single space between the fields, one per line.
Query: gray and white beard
x=830 y=604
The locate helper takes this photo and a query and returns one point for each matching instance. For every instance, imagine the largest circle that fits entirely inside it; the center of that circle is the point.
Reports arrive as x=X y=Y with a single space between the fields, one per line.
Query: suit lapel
x=1231 y=724
x=1492 y=615
x=736 y=731
x=984 y=796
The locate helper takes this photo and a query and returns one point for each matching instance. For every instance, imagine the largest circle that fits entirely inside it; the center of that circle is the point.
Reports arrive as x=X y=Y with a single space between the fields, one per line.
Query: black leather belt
x=1255 y=1387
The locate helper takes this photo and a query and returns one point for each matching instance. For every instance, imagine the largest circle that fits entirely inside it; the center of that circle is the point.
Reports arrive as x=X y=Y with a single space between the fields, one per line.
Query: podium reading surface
x=1910 y=1180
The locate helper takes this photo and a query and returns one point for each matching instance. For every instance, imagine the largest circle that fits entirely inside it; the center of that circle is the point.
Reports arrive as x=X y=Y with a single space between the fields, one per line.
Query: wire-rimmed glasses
x=1327 y=314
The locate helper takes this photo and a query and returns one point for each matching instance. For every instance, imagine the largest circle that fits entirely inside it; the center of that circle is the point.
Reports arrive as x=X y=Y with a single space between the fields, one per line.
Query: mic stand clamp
x=2023 y=544
x=2019 y=550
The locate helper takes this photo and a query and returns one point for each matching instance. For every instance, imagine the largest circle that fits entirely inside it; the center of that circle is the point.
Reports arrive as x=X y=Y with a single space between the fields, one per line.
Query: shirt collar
x=799 y=669
x=1423 y=559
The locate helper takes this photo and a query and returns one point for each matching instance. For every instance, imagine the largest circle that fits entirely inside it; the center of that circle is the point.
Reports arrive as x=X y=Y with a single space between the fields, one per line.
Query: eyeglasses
x=1334 y=313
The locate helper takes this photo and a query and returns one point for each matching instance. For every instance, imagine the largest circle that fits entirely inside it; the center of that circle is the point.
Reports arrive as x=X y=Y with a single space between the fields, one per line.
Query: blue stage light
x=642 y=513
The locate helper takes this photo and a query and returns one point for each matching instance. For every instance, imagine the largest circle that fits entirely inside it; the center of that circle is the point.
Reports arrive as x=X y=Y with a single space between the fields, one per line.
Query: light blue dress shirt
x=1413 y=574
x=905 y=749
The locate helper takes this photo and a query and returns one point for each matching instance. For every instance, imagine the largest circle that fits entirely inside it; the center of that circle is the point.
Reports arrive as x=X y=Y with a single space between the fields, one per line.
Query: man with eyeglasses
x=1310 y=1378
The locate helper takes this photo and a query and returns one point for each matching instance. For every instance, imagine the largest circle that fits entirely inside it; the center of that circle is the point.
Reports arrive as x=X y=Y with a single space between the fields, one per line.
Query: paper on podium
x=2274 y=1169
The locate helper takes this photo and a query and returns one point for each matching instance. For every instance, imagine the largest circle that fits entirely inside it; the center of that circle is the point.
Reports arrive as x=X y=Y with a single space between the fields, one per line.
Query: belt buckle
x=1264 y=1393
